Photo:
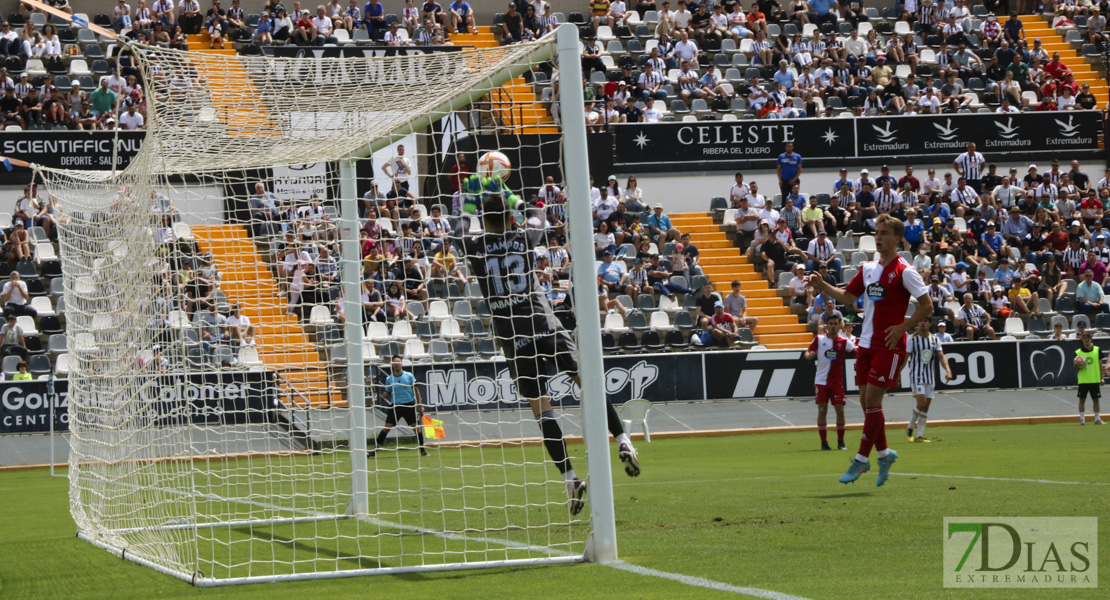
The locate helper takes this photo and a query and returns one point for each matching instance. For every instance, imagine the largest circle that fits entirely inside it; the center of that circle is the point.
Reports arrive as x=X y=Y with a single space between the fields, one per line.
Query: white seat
x=729 y=219
x=42 y=305
x=183 y=231
x=369 y=352
x=414 y=350
x=62 y=365
x=1014 y=326
x=689 y=119
x=449 y=329
x=45 y=252
x=35 y=68
x=27 y=324
x=863 y=28
x=402 y=330
x=660 y=321
x=437 y=311
x=79 y=67
x=248 y=357
x=12 y=127
x=178 y=319
x=867 y=244
x=1008 y=338
x=341 y=36
x=377 y=332
x=84 y=343
x=928 y=56
x=637 y=410
x=605 y=34
x=320 y=315
x=669 y=304
x=902 y=28
x=386 y=224
x=614 y=323
x=729 y=117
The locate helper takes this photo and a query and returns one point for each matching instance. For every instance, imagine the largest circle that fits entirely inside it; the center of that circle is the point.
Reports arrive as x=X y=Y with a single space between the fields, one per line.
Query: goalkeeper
x=476 y=188
x=527 y=330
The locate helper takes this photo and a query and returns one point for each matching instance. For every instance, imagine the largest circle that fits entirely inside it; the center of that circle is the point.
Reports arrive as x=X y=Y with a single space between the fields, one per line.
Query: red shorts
x=827 y=393
x=878 y=366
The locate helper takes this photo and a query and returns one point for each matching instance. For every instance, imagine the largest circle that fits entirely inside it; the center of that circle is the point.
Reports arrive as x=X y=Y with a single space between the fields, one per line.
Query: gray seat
x=637 y=321
x=439 y=350
x=462 y=310
x=10 y=365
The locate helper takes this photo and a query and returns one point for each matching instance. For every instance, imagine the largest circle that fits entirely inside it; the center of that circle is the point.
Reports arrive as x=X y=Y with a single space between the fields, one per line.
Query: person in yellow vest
x=22 y=375
x=1091 y=371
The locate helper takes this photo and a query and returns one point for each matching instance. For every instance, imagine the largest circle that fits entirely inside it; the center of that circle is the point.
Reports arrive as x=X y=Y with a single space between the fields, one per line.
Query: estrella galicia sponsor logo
x=1020 y=552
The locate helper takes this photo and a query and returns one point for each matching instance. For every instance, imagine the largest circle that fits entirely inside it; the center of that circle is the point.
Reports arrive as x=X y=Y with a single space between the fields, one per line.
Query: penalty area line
x=1012 y=479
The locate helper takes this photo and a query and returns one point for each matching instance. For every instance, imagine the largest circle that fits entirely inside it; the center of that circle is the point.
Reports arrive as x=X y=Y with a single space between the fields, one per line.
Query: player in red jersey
x=830 y=349
x=887 y=284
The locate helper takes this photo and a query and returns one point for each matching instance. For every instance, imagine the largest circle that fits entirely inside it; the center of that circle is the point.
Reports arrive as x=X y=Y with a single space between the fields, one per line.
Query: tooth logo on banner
x=1047 y=363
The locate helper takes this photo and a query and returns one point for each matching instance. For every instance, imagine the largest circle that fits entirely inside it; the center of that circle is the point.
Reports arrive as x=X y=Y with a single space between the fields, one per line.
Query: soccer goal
x=232 y=308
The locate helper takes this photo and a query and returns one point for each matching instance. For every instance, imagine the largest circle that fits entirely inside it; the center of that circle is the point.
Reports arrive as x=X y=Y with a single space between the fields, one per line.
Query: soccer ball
x=1079 y=362
x=494 y=165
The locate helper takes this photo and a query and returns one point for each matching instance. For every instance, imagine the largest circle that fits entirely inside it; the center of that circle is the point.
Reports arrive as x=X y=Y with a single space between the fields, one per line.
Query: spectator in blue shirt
x=822 y=11
x=1016 y=227
x=915 y=231
x=462 y=16
x=613 y=275
x=659 y=227
x=1004 y=275
x=373 y=15
x=785 y=77
x=992 y=242
x=789 y=167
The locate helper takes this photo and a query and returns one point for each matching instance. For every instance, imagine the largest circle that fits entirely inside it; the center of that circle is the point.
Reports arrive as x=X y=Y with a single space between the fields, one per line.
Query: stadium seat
x=1075 y=321
x=414 y=350
x=867 y=244
x=637 y=410
x=10 y=365
x=684 y=321
x=377 y=332
x=652 y=341
x=474 y=327
x=42 y=305
x=1063 y=322
x=320 y=316
x=626 y=301
x=1015 y=327
x=614 y=323
x=50 y=325
x=39 y=365
x=486 y=348
x=27 y=324
x=402 y=331
x=248 y=357
x=638 y=322
x=1065 y=306
x=609 y=343
x=629 y=342
x=449 y=329
x=660 y=321
x=676 y=339
x=437 y=310
x=62 y=365
x=646 y=303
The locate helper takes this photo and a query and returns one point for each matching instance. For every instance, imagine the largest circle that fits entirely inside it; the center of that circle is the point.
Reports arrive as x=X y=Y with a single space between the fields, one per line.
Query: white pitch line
x=618 y=564
x=702 y=582
x=1017 y=480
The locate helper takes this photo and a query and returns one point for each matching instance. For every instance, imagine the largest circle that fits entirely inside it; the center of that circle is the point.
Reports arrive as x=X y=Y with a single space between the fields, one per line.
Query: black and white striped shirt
x=1046 y=190
x=926 y=15
x=971 y=164
x=887 y=200
x=973 y=316
x=1075 y=257
x=923 y=359
x=1054 y=176
x=965 y=196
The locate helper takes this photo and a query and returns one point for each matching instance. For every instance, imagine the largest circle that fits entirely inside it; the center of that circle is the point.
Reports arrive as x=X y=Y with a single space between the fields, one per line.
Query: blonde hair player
x=1090 y=374
x=887 y=285
x=924 y=351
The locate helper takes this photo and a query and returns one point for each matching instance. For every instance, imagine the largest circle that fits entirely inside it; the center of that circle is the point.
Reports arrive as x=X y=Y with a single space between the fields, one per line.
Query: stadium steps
x=518 y=111
x=282 y=343
x=721 y=261
x=485 y=38
x=236 y=103
x=1036 y=26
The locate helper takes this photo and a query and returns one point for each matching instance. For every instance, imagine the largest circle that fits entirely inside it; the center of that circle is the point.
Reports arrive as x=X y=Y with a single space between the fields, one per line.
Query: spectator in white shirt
x=132 y=118
x=651 y=114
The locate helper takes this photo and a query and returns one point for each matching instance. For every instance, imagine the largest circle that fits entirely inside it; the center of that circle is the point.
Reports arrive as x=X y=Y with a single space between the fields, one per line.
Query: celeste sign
x=730 y=141
x=750 y=143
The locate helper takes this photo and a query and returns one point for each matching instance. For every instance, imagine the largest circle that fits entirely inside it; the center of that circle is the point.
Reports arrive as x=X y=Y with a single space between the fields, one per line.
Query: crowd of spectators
x=823 y=59
x=1026 y=242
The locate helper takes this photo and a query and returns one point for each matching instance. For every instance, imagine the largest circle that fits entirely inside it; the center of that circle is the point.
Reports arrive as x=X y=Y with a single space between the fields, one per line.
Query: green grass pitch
x=762 y=511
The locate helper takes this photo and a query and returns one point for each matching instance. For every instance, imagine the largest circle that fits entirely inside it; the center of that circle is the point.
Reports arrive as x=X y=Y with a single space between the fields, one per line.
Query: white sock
x=861 y=458
x=921 y=424
x=913 y=419
x=883 y=453
x=569 y=476
x=624 y=439
x=1082 y=418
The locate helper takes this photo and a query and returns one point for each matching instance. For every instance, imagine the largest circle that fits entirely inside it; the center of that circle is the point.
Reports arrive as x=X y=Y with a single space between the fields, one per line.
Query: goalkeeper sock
x=553 y=441
x=616 y=427
x=913 y=419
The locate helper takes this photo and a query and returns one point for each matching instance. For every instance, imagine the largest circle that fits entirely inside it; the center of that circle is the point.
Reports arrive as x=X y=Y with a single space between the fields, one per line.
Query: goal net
x=235 y=294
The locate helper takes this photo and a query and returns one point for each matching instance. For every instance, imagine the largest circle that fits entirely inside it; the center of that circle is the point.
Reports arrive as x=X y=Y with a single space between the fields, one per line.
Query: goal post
x=235 y=294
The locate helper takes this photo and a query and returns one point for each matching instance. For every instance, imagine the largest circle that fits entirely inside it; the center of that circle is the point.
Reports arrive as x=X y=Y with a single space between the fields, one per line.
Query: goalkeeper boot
x=627 y=455
x=884 y=467
x=856 y=469
x=370 y=453
x=921 y=440
x=576 y=489
x=909 y=434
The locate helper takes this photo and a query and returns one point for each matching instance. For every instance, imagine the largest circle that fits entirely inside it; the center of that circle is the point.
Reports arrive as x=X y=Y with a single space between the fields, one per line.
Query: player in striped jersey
x=830 y=349
x=970 y=166
x=925 y=351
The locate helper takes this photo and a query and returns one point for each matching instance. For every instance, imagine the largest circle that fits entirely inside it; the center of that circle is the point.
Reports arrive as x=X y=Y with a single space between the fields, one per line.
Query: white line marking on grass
x=702 y=582
x=1017 y=480
x=773 y=414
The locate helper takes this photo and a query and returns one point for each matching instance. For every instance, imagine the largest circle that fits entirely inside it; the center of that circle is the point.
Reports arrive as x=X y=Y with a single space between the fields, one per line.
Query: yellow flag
x=433 y=428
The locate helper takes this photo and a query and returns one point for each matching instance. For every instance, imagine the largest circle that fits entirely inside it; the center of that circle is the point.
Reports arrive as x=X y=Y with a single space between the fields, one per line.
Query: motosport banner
x=720 y=145
x=217 y=398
